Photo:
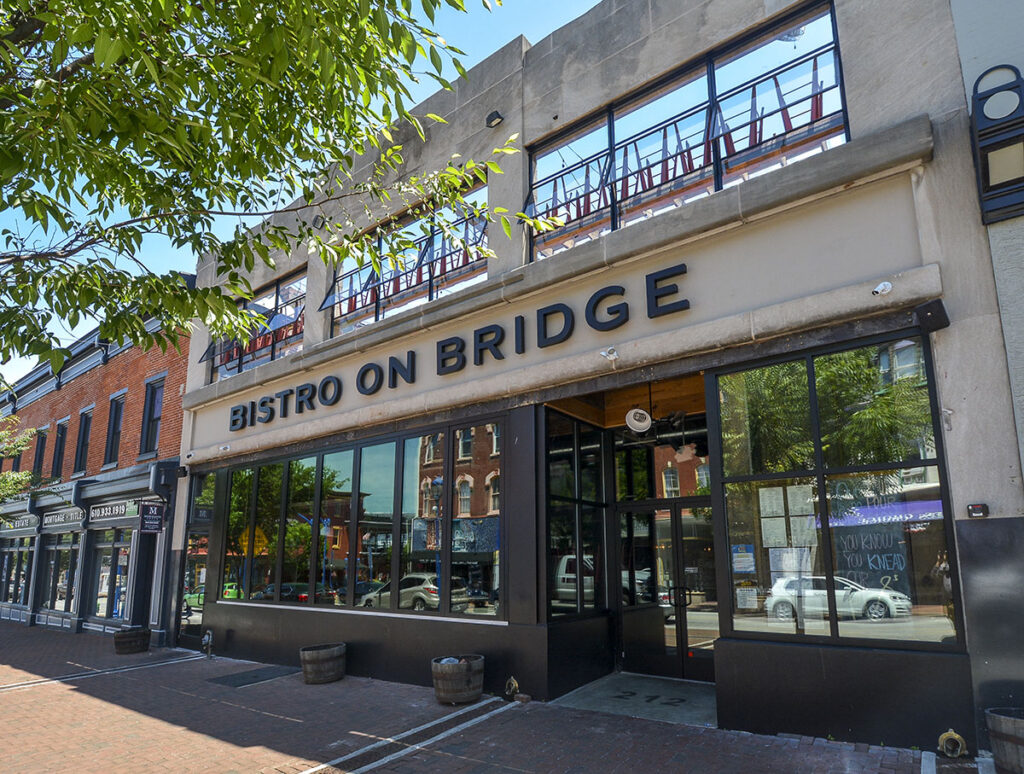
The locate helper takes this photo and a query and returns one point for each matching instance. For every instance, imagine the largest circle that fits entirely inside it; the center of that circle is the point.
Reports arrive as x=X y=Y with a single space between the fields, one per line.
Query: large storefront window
x=403 y=497
x=575 y=547
x=376 y=517
x=335 y=516
x=110 y=562
x=833 y=497
x=60 y=560
x=422 y=521
x=475 y=528
x=236 y=542
x=15 y=570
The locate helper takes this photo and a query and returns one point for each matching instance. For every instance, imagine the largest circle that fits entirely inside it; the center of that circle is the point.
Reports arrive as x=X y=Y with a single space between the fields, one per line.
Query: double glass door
x=669 y=619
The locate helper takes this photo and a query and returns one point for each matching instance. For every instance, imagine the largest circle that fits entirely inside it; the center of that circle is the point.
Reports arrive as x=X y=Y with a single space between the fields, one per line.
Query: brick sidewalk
x=171 y=718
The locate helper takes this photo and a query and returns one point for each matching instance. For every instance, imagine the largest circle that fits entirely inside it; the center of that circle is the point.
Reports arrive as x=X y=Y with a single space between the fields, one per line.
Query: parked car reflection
x=810 y=594
x=418 y=591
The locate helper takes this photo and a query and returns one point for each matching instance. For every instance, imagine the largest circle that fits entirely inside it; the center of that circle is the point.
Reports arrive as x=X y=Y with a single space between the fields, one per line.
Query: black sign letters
x=605 y=310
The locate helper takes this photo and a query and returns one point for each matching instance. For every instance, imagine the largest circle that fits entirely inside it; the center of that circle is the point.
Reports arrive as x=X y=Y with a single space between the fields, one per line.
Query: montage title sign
x=606 y=310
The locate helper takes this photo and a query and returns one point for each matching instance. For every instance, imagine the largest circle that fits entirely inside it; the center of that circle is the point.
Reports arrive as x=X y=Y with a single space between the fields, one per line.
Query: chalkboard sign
x=875 y=556
x=152 y=517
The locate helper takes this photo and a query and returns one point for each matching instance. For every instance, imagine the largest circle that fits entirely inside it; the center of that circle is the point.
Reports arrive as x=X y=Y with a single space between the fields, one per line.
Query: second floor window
x=282 y=309
x=37 y=461
x=435 y=262
x=151 y=416
x=60 y=439
x=82 y=448
x=114 y=430
x=722 y=120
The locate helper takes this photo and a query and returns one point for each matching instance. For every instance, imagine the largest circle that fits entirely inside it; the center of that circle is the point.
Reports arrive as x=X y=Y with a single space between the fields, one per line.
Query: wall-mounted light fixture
x=319 y=221
x=494 y=118
x=997 y=133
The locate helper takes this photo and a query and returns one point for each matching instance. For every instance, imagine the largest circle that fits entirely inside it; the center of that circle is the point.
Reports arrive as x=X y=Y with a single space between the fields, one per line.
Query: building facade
x=721 y=424
x=87 y=549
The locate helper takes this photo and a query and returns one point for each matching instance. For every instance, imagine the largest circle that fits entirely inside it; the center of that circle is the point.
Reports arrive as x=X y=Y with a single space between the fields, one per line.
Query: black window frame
x=448 y=430
x=115 y=420
x=60 y=441
x=82 y=443
x=601 y=603
x=820 y=471
x=371 y=294
x=150 y=430
x=228 y=356
x=606 y=116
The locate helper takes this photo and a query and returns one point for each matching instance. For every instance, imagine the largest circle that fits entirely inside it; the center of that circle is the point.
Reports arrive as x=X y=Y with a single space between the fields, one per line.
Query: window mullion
x=710 y=124
x=828 y=564
x=282 y=516
x=317 y=536
x=613 y=200
x=355 y=510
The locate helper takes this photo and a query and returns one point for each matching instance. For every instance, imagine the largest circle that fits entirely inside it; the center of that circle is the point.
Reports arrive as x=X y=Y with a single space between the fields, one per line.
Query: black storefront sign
x=152 y=517
x=553 y=324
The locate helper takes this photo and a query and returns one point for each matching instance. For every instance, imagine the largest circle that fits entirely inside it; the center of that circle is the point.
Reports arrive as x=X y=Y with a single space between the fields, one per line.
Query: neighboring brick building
x=108 y=429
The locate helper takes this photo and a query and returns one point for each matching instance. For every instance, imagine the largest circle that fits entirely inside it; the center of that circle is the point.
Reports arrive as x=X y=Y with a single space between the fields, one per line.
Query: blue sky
x=477 y=32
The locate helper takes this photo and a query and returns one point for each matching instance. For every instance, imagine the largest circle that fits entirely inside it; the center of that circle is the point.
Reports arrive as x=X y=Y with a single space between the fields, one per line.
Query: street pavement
x=69 y=704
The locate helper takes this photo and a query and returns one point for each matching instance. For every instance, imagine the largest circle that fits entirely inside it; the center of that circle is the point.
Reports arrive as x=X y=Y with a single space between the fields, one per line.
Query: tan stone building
x=772 y=264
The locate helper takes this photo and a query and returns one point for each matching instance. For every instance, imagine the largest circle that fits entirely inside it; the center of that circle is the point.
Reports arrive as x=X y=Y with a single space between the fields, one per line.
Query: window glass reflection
x=376 y=514
x=766 y=420
x=670 y=461
x=475 y=525
x=264 y=534
x=562 y=560
x=62 y=562
x=333 y=541
x=194 y=583
x=561 y=463
x=777 y=563
x=422 y=526
x=891 y=556
x=236 y=543
x=298 y=533
x=874 y=405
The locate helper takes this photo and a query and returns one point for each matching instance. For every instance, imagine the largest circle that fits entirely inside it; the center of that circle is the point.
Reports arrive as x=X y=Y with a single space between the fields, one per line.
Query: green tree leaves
x=120 y=120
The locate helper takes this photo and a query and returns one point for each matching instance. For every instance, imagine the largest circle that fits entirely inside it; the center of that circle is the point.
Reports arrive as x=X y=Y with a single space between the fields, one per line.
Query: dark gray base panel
x=891 y=697
x=991 y=553
x=394 y=649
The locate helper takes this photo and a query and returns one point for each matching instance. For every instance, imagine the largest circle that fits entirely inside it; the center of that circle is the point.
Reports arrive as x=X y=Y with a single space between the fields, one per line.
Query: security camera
x=882 y=289
x=189 y=456
x=610 y=354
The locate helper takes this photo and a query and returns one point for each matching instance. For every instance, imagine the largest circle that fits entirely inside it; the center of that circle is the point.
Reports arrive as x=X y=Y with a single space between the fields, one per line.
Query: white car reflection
x=810 y=594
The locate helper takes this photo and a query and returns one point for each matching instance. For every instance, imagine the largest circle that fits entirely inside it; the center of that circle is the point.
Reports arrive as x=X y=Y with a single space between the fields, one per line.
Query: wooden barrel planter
x=131 y=641
x=1006 y=732
x=458 y=683
x=322 y=663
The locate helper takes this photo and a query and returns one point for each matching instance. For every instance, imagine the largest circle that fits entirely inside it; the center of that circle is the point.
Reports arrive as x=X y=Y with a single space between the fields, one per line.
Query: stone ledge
x=866 y=159
x=850 y=302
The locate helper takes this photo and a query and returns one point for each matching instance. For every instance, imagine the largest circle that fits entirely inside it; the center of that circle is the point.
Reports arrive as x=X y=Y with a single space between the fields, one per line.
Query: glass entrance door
x=669 y=608
x=193 y=590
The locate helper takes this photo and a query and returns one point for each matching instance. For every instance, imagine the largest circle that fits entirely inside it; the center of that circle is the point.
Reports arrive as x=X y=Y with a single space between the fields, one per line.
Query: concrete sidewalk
x=161 y=712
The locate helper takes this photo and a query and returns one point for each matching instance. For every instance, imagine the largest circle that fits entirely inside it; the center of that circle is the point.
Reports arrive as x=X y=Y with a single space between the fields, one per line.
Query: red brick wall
x=127 y=370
